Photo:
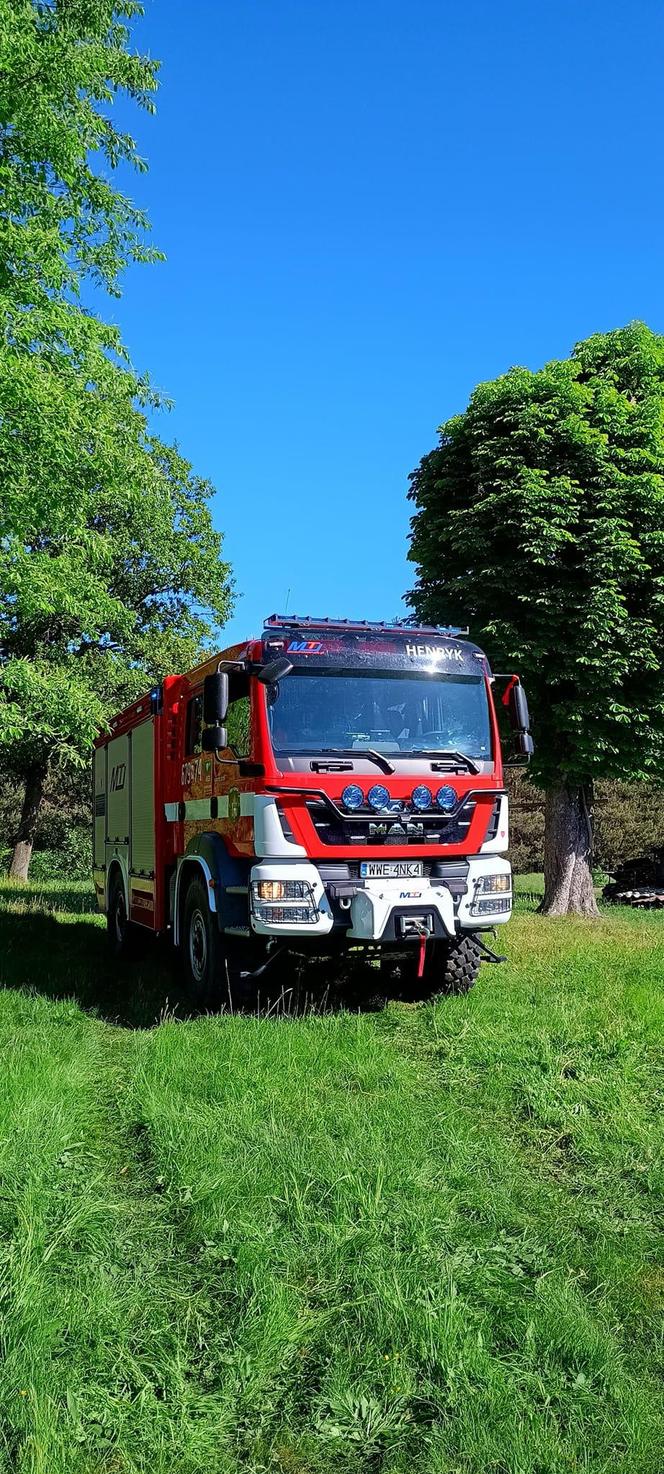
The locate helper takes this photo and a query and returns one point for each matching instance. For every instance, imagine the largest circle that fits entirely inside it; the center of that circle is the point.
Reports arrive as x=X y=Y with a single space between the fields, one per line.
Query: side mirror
x=213 y=738
x=518 y=708
x=275 y=671
x=215 y=697
x=523 y=745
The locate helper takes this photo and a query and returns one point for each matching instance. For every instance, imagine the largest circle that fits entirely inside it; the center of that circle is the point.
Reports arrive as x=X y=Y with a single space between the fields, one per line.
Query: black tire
x=118 y=925
x=213 y=965
x=200 y=944
x=453 y=967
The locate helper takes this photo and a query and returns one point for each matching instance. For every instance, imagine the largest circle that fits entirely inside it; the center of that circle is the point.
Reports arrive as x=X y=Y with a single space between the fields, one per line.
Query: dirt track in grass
x=421 y=1240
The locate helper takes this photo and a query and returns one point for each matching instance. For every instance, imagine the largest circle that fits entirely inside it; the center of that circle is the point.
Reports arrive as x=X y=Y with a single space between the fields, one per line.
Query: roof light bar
x=371 y=626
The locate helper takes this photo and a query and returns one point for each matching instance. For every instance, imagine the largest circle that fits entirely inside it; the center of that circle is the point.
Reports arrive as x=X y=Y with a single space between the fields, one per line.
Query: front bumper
x=379 y=910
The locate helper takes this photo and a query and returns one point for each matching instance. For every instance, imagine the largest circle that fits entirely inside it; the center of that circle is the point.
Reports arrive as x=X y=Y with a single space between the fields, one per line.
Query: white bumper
x=372 y=908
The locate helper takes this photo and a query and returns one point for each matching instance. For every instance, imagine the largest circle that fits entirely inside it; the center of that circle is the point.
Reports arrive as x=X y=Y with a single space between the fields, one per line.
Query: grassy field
x=422 y=1240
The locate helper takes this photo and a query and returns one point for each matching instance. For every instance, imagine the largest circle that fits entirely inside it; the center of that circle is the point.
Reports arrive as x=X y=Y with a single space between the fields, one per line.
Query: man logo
x=118 y=777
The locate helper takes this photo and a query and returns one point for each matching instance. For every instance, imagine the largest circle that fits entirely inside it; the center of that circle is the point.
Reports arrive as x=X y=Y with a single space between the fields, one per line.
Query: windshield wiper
x=447 y=759
x=374 y=757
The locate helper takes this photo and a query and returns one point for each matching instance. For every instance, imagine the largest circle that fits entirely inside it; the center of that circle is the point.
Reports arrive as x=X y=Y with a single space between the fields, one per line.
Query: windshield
x=391 y=713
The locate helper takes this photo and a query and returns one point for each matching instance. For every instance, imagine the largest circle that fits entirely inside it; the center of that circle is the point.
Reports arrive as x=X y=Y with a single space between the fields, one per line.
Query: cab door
x=197 y=772
x=233 y=787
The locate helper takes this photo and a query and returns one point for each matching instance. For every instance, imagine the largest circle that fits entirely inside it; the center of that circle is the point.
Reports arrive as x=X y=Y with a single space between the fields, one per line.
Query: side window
x=194 y=727
x=238 y=720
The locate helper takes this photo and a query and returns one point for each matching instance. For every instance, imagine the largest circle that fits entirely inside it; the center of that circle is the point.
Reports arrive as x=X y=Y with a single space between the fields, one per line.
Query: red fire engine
x=332 y=789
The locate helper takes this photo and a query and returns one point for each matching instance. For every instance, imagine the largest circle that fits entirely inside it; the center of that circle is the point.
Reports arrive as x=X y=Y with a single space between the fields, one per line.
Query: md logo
x=305 y=647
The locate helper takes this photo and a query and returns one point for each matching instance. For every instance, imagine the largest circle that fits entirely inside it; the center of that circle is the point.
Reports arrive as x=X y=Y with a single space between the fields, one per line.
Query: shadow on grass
x=70 y=958
x=66 y=956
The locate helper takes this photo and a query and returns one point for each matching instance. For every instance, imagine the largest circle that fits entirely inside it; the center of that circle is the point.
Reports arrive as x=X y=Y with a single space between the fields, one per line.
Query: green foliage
x=628 y=820
x=526 y=811
x=540 y=519
x=61 y=67
x=419 y=1241
x=110 y=569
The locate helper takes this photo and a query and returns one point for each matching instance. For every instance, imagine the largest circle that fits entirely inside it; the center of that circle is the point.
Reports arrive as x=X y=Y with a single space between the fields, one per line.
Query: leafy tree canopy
x=540 y=520
x=110 y=570
x=62 y=63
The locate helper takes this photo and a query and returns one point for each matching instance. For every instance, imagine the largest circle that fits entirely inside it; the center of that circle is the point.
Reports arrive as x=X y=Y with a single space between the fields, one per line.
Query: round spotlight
x=446 y=798
x=378 y=796
x=422 y=797
x=352 y=797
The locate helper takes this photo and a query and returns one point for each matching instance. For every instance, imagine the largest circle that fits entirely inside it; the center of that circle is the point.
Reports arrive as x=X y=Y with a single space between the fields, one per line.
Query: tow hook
x=490 y=956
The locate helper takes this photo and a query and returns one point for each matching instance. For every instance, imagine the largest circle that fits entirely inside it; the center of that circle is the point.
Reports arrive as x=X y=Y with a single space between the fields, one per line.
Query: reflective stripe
x=197 y=808
x=201 y=808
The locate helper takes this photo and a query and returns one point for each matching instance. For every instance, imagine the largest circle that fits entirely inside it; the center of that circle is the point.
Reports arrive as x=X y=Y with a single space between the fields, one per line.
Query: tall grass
x=421 y=1240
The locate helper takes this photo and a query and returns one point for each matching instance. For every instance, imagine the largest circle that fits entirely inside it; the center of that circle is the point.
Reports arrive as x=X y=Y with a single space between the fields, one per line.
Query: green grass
x=424 y=1240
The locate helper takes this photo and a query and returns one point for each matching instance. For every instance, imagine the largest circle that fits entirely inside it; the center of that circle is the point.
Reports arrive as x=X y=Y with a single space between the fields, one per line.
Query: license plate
x=391 y=869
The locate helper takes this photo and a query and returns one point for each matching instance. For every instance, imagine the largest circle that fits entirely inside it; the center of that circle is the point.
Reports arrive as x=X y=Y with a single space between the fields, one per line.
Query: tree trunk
x=568 y=882
x=25 y=834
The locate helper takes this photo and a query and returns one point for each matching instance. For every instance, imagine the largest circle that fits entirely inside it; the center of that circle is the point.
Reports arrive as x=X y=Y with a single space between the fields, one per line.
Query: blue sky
x=367 y=207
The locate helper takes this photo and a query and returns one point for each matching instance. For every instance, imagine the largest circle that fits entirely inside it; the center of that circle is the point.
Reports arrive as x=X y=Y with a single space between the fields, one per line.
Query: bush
x=628 y=820
x=63 y=842
x=526 y=822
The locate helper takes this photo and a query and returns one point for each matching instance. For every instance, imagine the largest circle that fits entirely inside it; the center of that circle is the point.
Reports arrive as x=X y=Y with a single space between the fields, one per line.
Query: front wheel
x=452 y=967
x=216 y=968
x=201 y=951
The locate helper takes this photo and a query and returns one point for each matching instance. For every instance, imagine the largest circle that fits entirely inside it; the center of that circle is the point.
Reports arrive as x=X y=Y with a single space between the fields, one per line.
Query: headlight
x=352 y=797
x=495 y=884
x=378 y=796
x=283 y=902
x=422 y=797
x=446 y=798
x=281 y=890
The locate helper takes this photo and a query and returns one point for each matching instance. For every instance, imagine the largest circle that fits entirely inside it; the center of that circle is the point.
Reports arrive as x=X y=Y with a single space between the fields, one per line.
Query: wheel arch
x=206 y=856
x=116 y=868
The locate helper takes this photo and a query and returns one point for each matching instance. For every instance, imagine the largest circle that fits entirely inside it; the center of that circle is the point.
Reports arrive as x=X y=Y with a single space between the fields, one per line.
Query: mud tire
x=454 y=969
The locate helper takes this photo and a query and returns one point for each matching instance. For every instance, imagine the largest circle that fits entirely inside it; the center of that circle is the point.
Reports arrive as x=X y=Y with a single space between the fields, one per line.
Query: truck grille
x=335 y=829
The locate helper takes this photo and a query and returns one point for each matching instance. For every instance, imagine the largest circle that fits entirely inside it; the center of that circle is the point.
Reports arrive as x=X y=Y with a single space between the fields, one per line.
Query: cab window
x=194 y=727
x=238 y=720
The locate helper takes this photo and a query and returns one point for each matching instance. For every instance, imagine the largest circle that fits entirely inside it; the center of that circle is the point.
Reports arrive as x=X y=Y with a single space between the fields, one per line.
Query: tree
x=89 y=616
x=62 y=63
x=540 y=519
x=110 y=570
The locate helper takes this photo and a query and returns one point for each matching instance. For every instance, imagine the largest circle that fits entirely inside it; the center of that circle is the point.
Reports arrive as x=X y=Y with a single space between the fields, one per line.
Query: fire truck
x=331 y=791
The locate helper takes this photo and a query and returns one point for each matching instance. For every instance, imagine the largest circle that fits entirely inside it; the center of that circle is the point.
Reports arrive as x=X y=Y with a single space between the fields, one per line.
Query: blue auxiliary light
x=422 y=797
x=352 y=797
x=446 y=798
x=378 y=797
